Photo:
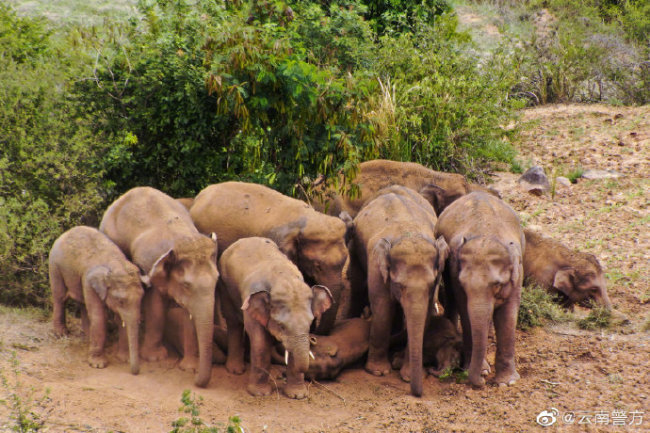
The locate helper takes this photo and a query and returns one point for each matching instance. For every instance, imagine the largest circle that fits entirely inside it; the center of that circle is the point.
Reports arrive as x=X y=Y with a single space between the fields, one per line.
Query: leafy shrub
x=49 y=180
x=537 y=308
x=388 y=16
x=598 y=318
x=194 y=424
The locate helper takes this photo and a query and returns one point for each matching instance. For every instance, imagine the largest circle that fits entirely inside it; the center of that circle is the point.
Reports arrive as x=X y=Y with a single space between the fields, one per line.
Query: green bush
x=538 y=308
x=598 y=318
x=49 y=178
x=194 y=423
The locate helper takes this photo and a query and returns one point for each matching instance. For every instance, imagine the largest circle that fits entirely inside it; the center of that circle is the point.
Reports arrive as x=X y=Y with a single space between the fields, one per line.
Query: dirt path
x=589 y=373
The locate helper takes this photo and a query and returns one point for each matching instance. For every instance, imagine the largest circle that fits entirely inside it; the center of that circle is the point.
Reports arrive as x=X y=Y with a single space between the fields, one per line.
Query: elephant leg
x=505 y=321
x=97 y=336
x=153 y=307
x=260 y=353
x=58 y=302
x=190 y=361
x=85 y=323
x=382 y=318
x=235 y=335
x=295 y=387
x=122 y=344
x=465 y=326
x=479 y=311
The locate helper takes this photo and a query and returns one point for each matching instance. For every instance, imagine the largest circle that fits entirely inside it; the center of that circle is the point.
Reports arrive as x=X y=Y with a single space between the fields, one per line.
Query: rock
x=561 y=180
x=534 y=181
x=600 y=174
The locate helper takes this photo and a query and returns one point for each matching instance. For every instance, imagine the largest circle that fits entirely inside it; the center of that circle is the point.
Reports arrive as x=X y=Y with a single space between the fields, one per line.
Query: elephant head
x=438 y=197
x=412 y=267
x=119 y=286
x=317 y=246
x=582 y=282
x=287 y=311
x=188 y=274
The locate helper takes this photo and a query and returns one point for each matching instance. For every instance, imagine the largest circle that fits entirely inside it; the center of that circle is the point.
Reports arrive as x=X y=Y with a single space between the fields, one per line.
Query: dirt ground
x=602 y=377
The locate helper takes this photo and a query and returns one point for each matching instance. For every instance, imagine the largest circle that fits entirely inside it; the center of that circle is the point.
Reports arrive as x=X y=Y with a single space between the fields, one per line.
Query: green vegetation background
x=179 y=94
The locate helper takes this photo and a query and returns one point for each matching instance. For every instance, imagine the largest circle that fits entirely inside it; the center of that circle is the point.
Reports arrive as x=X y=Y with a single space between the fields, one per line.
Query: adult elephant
x=485 y=273
x=157 y=234
x=395 y=243
x=439 y=188
x=313 y=241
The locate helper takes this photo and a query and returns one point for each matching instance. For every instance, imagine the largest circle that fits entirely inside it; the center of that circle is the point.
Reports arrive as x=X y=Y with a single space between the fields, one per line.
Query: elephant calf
x=485 y=274
x=395 y=244
x=577 y=276
x=87 y=267
x=181 y=337
x=263 y=292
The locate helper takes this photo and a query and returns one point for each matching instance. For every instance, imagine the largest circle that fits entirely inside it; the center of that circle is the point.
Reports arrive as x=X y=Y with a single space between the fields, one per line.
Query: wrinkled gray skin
x=177 y=333
x=86 y=266
x=263 y=292
x=577 y=276
x=313 y=241
x=157 y=234
x=442 y=347
x=394 y=241
x=485 y=273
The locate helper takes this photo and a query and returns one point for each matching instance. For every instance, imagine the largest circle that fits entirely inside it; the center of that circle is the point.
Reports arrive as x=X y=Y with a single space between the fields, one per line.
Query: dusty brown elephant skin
x=394 y=241
x=177 y=333
x=86 y=266
x=187 y=202
x=264 y=293
x=313 y=241
x=442 y=347
x=347 y=344
x=485 y=273
x=439 y=188
x=158 y=235
x=576 y=275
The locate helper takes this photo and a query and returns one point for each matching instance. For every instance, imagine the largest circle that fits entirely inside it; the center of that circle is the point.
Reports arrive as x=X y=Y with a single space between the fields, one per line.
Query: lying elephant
x=313 y=241
x=439 y=188
x=577 y=276
x=157 y=233
x=394 y=241
x=485 y=274
x=263 y=292
x=86 y=266
x=442 y=347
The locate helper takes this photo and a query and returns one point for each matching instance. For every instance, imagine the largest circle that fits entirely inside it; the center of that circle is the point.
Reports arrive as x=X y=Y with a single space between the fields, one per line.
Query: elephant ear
x=321 y=302
x=443 y=253
x=455 y=245
x=162 y=268
x=286 y=237
x=97 y=278
x=436 y=196
x=515 y=258
x=258 y=306
x=563 y=280
x=349 y=225
x=382 y=259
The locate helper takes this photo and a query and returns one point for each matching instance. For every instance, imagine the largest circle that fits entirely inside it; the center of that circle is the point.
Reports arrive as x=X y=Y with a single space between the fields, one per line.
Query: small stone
x=600 y=174
x=534 y=181
x=620 y=143
x=561 y=180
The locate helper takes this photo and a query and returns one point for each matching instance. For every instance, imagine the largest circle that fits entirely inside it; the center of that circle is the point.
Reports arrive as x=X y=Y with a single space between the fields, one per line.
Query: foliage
x=537 y=308
x=388 y=16
x=598 y=318
x=27 y=413
x=194 y=424
x=574 y=174
x=48 y=173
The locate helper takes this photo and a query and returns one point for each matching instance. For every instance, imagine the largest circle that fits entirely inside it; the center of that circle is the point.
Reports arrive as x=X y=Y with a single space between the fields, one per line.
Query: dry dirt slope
x=561 y=366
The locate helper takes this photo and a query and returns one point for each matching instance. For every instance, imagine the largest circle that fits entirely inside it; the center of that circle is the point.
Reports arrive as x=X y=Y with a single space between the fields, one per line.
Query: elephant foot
x=235 y=367
x=259 y=389
x=60 y=331
x=154 y=353
x=122 y=356
x=297 y=391
x=189 y=363
x=507 y=378
x=97 y=361
x=398 y=360
x=485 y=368
x=218 y=357
x=378 y=368
x=405 y=373
x=432 y=371
x=477 y=381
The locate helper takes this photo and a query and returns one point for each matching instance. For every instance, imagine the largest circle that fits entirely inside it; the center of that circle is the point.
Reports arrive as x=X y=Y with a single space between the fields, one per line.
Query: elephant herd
x=365 y=275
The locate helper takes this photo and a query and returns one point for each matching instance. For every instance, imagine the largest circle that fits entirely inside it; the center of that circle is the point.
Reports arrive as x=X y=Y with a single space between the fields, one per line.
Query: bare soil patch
x=561 y=366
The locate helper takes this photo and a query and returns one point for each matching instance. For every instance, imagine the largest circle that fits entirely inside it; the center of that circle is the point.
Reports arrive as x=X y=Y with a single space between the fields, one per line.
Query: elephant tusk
x=123 y=324
x=190 y=317
x=311 y=355
x=286 y=357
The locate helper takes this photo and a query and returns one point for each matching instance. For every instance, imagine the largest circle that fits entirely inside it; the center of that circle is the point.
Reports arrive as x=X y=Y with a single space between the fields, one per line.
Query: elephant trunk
x=132 y=335
x=602 y=299
x=415 y=321
x=335 y=286
x=298 y=347
x=203 y=322
x=480 y=312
